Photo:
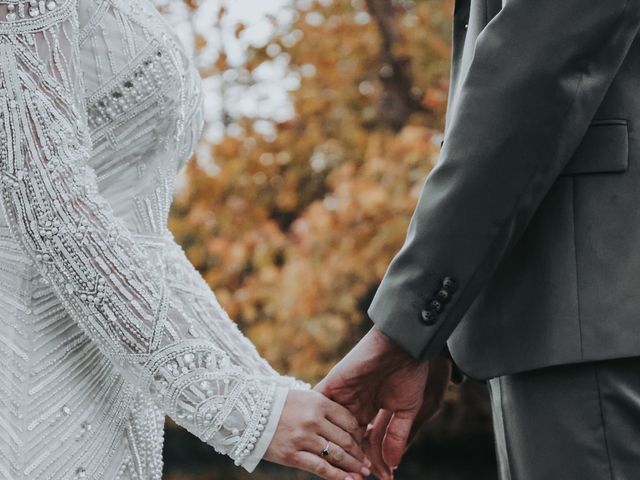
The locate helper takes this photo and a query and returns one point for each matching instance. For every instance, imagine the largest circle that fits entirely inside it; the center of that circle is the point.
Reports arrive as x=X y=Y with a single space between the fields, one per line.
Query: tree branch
x=399 y=98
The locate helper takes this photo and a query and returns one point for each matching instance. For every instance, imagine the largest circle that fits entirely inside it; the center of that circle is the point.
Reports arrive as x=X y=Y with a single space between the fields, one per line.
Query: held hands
x=384 y=387
x=378 y=386
x=311 y=423
x=437 y=382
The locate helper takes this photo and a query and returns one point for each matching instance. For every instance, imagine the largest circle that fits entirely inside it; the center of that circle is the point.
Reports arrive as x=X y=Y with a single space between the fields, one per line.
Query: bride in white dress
x=105 y=326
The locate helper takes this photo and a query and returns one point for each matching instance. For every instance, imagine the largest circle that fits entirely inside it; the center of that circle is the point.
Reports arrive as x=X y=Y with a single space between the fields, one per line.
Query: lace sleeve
x=104 y=279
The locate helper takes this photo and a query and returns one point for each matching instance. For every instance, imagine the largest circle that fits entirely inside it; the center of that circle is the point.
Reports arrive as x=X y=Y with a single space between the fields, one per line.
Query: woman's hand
x=309 y=423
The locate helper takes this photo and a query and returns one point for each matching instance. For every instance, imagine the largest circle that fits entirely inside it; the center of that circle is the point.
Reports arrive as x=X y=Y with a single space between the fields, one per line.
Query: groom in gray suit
x=524 y=250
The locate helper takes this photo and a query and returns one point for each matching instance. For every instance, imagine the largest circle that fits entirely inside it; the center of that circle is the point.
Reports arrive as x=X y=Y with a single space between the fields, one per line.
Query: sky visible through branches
x=234 y=94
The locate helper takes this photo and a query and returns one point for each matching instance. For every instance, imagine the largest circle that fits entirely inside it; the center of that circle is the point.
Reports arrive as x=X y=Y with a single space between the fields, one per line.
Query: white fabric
x=105 y=326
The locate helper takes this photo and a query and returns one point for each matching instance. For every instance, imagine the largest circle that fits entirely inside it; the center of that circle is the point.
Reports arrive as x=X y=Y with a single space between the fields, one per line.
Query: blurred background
x=323 y=118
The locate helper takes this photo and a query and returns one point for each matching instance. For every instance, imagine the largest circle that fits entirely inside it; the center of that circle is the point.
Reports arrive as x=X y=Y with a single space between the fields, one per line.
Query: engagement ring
x=325 y=452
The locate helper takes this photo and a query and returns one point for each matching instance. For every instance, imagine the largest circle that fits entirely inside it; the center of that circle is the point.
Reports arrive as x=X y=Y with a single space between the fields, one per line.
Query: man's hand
x=378 y=374
x=437 y=383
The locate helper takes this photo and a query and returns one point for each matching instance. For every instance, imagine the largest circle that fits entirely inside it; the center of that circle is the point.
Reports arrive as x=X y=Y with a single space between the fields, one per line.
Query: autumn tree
x=293 y=221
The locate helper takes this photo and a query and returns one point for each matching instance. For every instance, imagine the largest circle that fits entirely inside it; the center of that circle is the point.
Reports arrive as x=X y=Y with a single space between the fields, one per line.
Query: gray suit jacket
x=526 y=238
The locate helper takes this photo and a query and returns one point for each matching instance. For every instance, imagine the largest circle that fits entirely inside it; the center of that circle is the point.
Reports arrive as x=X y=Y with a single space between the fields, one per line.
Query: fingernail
x=348 y=478
x=367 y=462
x=365 y=471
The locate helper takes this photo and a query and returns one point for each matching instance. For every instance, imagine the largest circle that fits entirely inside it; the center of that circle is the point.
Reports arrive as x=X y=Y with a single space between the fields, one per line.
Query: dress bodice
x=142 y=100
x=105 y=326
x=143 y=104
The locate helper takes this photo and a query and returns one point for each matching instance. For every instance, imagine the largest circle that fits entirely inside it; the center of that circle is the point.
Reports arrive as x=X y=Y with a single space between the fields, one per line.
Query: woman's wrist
x=252 y=460
x=285 y=384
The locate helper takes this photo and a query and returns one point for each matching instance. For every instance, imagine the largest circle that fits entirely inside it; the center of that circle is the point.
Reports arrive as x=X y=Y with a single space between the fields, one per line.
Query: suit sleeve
x=539 y=72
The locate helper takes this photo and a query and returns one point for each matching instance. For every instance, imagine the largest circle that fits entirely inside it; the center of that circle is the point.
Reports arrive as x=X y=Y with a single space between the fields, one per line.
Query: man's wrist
x=385 y=343
x=387 y=346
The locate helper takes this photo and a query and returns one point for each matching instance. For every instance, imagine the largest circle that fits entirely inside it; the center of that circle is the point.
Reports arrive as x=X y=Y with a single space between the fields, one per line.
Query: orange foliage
x=295 y=231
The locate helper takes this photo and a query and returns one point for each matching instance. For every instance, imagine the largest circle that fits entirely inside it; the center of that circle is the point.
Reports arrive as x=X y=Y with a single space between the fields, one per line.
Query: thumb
x=396 y=437
x=321 y=387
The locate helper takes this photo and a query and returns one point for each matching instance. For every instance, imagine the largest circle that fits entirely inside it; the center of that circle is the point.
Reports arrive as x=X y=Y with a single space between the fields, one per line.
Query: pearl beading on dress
x=29 y=9
x=97 y=281
x=198 y=371
x=32 y=15
x=145 y=81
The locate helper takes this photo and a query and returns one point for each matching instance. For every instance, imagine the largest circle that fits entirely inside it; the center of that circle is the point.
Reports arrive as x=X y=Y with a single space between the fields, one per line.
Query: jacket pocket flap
x=604 y=149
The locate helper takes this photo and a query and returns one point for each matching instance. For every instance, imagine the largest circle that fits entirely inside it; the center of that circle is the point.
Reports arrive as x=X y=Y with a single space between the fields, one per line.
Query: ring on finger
x=326 y=451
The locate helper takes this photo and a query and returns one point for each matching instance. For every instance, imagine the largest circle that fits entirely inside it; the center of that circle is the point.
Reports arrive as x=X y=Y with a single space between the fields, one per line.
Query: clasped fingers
x=321 y=437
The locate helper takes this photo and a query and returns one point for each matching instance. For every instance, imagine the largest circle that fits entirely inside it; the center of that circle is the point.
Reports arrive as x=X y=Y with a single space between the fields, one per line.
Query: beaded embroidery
x=24 y=9
x=106 y=325
x=144 y=82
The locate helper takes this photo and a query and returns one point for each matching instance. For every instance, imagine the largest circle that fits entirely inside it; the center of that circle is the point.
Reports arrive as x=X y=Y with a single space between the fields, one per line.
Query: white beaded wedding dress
x=105 y=326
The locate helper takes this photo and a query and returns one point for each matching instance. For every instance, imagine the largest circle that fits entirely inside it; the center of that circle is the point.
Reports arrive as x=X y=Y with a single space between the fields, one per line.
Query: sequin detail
x=106 y=326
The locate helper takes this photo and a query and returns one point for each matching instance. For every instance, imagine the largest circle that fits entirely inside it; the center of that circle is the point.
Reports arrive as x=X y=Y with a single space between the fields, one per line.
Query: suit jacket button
x=429 y=317
x=436 y=306
x=449 y=284
x=443 y=296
